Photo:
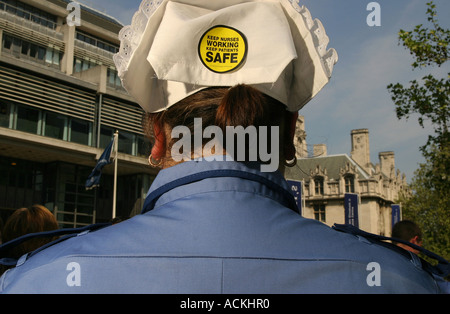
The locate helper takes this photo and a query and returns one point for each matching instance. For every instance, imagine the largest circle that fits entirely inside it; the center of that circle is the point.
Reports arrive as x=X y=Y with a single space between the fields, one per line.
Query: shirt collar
x=196 y=170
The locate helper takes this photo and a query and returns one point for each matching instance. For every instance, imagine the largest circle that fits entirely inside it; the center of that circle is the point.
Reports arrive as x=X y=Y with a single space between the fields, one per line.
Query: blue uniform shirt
x=217 y=227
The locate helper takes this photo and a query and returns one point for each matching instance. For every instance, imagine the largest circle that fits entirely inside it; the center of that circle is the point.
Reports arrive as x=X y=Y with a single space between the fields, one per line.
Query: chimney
x=361 y=148
x=320 y=150
x=387 y=162
x=300 y=138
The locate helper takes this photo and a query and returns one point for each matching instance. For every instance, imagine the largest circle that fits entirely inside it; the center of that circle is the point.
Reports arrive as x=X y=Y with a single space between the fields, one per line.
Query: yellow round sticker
x=223 y=49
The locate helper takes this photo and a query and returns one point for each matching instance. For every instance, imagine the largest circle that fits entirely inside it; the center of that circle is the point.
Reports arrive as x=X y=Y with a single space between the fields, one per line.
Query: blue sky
x=369 y=59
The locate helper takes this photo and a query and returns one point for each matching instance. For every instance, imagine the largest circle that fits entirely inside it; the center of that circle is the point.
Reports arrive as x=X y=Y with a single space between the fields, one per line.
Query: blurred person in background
x=23 y=221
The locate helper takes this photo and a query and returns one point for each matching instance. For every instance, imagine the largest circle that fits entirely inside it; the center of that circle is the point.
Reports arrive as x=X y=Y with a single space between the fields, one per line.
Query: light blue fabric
x=217 y=235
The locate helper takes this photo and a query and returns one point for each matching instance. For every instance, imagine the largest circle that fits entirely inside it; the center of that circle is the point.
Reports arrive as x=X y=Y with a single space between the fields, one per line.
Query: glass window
x=7 y=42
x=349 y=184
x=45 y=22
x=27 y=119
x=23 y=14
x=5 y=109
x=19 y=9
x=318 y=183
x=36 y=19
x=126 y=141
x=110 y=76
x=20 y=183
x=78 y=65
x=16 y=46
x=106 y=136
x=56 y=56
x=25 y=47
x=29 y=12
x=34 y=51
x=319 y=212
x=143 y=146
x=79 y=131
x=113 y=78
x=11 y=9
x=41 y=53
x=85 y=65
x=53 y=56
x=49 y=55
x=55 y=125
x=80 y=36
x=95 y=41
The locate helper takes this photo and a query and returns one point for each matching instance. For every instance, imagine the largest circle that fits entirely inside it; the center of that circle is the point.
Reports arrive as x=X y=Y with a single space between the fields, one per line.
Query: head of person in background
x=409 y=231
x=23 y=221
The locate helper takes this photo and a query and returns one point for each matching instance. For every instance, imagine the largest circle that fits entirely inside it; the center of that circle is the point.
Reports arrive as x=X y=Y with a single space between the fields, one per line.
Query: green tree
x=429 y=208
x=429 y=201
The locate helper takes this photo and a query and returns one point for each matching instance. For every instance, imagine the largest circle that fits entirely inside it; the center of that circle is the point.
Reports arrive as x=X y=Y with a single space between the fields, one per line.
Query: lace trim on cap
x=329 y=57
x=130 y=36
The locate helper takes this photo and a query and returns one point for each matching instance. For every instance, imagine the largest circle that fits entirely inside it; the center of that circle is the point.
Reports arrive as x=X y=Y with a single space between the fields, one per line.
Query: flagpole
x=116 y=148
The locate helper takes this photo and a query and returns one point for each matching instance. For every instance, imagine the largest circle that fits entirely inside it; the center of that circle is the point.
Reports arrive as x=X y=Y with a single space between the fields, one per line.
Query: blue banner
x=296 y=189
x=396 y=214
x=93 y=180
x=351 y=203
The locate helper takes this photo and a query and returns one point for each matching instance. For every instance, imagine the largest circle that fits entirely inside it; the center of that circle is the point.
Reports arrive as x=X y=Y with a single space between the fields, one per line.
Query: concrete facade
x=61 y=102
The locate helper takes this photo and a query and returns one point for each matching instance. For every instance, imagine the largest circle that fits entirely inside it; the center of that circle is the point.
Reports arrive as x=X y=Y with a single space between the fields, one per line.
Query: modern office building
x=326 y=179
x=60 y=104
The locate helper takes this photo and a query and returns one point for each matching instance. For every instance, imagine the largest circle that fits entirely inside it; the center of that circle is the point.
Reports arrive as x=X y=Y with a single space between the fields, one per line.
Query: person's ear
x=416 y=241
x=159 y=147
x=290 y=125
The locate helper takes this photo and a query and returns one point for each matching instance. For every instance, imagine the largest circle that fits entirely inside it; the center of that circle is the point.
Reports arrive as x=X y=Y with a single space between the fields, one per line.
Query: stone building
x=327 y=178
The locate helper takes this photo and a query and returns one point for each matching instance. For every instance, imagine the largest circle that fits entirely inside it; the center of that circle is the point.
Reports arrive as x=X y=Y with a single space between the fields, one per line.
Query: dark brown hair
x=36 y=218
x=241 y=105
x=406 y=230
